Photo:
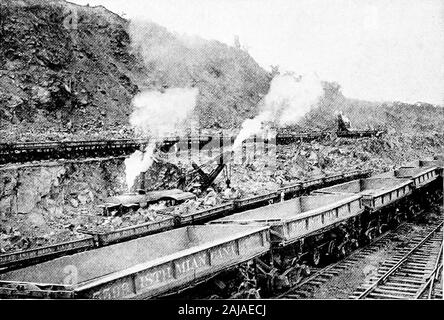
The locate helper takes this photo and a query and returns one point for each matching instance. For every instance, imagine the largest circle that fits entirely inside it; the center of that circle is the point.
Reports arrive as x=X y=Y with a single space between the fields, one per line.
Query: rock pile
x=296 y=162
x=99 y=223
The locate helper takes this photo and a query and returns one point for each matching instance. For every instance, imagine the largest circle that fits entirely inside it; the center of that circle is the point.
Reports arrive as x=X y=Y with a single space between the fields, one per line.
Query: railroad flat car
x=427 y=182
x=354 y=174
x=431 y=163
x=304 y=187
x=438 y=162
x=333 y=178
x=290 y=191
x=386 y=201
x=299 y=217
x=257 y=201
x=141 y=268
x=420 y=176
x=143 y=199
x=426 y=176
x=313 y=183
x=302 y=230
x=207 y=214
x=376 y=192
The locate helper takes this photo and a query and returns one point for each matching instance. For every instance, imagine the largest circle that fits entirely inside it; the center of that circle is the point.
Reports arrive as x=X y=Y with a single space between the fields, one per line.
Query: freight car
x=284 y=138
x=39 y=254
x=427 y=180
x=302 y=231
x=383 y=199
x=432 y=163
x=36 y=151
x=141 y=268
x=32 y=151
x=128 y=233
x=437 y=162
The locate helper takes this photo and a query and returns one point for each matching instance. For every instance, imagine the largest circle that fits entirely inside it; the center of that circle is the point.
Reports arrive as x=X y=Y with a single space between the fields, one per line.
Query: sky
x=378 y=50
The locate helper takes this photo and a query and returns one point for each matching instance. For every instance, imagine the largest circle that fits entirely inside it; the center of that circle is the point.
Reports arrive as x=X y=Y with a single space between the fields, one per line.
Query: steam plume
x=138 y=162
x=287 y=101
x=155 y=115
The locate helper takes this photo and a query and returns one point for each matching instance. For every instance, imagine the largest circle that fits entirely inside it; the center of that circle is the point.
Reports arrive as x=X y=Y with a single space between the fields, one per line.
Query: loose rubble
x=313 y=159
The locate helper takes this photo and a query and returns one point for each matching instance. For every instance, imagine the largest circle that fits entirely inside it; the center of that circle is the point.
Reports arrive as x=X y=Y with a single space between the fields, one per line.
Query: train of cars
x=35 y=151
x=265 y=243
x=14 y=152
x=94 y=239
x=31 y=151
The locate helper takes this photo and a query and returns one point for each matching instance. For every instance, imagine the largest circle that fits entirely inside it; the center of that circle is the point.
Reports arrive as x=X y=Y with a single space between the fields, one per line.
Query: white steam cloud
x=287 y=101
x=250 y=127
x=155 y=115
x=138 y=162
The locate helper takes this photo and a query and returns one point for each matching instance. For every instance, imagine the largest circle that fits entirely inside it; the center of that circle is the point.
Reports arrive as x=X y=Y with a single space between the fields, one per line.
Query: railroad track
x=433 y=289
x=321 y=276
x=407 y=274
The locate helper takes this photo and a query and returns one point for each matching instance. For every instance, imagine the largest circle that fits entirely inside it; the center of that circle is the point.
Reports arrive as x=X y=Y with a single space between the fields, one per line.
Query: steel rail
x=398 y=264
x=353 y=254
x=432 y=277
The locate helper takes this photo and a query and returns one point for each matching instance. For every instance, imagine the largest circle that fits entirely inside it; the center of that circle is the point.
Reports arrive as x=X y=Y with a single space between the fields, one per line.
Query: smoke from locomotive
x=287 y=101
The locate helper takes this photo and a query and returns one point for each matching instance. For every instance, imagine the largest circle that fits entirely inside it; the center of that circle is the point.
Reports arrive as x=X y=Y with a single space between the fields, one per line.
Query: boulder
x=40 y=94
x=74 y=202
x=83 y=198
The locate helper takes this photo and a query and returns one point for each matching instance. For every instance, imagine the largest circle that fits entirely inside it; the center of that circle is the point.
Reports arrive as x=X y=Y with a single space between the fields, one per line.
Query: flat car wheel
x=306 y=271
x=316 y=257
x=341 y=253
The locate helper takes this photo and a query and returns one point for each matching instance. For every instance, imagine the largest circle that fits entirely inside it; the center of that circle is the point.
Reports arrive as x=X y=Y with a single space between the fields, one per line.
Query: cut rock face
x=34 y=185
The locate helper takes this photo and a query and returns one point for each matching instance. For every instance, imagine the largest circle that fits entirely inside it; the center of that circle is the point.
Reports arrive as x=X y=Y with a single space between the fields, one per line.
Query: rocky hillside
x=68 y=71
x=396 y=117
